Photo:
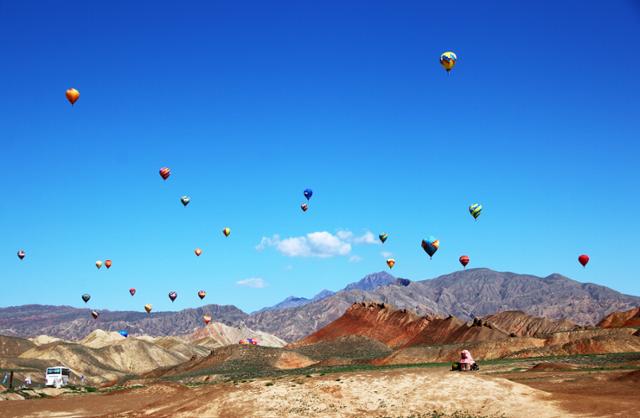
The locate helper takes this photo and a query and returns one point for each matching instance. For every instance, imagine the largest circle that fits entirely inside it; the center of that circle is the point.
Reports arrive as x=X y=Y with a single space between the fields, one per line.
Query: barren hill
x=630 y=318
x=523 y=325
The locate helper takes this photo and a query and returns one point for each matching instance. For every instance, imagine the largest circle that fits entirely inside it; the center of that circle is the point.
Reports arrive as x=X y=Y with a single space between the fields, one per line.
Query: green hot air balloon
x=383 y=237
x=475 y=210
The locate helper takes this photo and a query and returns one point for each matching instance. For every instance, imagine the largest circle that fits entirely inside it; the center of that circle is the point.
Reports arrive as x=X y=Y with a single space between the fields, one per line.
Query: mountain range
x=466 y=294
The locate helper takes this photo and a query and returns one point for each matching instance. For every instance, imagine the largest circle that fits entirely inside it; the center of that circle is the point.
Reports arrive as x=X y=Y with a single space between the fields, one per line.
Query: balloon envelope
x=86 y=297
x=165 y=172
x=197 y=251
x=21 y=254
x=583 y=259
x=475 y=210
x=202 y=294
x=148 y=307
x=226 y=231
x=98 y=264
x=448 y=60
x=206 y=319
x=185 y=200
x=464 y=260
x=308 y=193
x=383 y=237
x=94 y=314
x=304 y=207
x=132 y=291
x=72 y=95
x=124 y=333
x=391 y=262
x=173 y=296
x=107 y=264
x=430 y=245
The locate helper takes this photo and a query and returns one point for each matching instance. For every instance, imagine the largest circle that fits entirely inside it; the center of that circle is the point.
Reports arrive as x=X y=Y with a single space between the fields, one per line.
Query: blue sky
x=249 y=103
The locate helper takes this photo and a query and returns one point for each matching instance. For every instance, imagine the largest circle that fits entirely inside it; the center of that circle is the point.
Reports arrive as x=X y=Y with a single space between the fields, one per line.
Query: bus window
x=53 y=371
x=65 y=372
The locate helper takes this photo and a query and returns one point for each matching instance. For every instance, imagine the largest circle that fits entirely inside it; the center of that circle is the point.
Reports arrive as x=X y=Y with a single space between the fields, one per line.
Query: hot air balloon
x=124 y=333
x=430 y=246
x=86 y=297
x=391 y=262
x=148 y=307
x=107 y=264
x=202 y=294
x=226 y=231
x=207 y=319
x=583 y=259
x=198 y=251
x=464 y=260
x=98 y=264
x=304 y=207
x=72 y=95
x=185 y=200
x=475 y=210
x=132 y=291
x=173 y=296
x=21 y=254
x=165 y=172
x=383 y=237
x=95 y=314
x=448 y=60
x=308 y=193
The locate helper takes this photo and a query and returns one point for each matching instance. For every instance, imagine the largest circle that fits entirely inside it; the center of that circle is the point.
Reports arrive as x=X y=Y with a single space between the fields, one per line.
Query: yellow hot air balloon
x=448 y=60
x=148 y=308
x=226 y=232
x=391 y=262
x=98 y=264
x=72 y=95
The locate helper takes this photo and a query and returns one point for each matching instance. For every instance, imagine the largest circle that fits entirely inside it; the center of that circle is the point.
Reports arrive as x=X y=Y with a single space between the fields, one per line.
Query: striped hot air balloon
x=475 y=210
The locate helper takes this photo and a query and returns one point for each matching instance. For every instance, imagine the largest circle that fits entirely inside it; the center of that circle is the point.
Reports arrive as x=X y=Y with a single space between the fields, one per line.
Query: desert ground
x=578 y=386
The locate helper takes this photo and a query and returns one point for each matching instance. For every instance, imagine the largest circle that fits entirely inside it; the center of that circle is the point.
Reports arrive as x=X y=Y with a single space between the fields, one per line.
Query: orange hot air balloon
x=165 y=172
x=198 y=251
x=98 y=264
x=226 y=231
x=72 y=95
x=207 y=319
x=391 y=262
x=148 y=307
x=464 y=260
x=107 y=264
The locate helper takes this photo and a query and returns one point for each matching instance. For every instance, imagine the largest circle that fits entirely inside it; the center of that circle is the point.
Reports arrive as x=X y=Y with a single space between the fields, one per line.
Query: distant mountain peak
x=372 y=281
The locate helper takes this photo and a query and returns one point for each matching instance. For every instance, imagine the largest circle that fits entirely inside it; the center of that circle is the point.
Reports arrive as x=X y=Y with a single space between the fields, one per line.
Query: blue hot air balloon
x=124 y=333
x=308 y=193
x=430 y=245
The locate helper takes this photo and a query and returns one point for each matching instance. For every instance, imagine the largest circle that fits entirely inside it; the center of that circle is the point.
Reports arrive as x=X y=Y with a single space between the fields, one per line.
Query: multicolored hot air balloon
x=21 y=254
x=383 y=237
x=475 y=210
x=72 y=95
x=173 y=296
x=148 y=307
x=185 y=200
x=308 y=193
x=304 y=207
x=464 y=260
x=583 y=259
x=86 y=297
x=206 y=319
x=107 y=264
x=132 y=291
x=197 y=251
x=98 y=264
x=448 y=60
x=226 y=231
x=391 y=262
x=430 y=245
x=95 y=314
x=202 y=294
x=124 y=333
x=165 y=172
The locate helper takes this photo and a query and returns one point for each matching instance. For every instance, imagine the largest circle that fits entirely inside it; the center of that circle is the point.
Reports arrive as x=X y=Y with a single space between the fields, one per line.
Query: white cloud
x=321 y=244
x=355 y=259
x=386 y=254
x=254 y=282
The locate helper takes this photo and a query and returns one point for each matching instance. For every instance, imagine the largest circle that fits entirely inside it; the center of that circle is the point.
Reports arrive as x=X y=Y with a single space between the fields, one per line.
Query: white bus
x=57 y=376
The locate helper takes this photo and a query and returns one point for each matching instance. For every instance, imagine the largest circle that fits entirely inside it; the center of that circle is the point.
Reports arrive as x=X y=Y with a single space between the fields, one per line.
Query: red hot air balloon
x=132 y=291
x=107 y=264
x=173 y=296
x=202 y=294
x=165 y=172
x=72 y=95
x=464 y=260
x=583 y=259
x=207 y=319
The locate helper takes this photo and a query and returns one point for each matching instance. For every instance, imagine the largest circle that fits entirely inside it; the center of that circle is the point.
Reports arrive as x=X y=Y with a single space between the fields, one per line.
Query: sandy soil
x=394 y=393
